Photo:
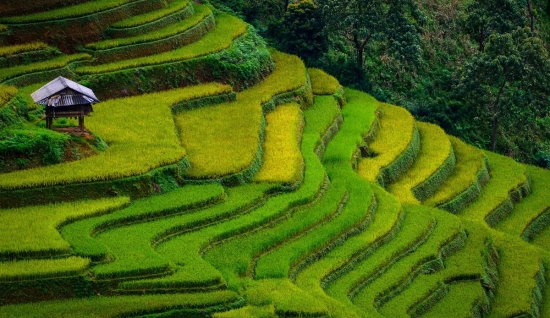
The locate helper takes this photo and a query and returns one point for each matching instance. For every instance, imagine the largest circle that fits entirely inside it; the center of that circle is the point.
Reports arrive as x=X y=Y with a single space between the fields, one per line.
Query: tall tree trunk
x=494 y=134
x=531 y=15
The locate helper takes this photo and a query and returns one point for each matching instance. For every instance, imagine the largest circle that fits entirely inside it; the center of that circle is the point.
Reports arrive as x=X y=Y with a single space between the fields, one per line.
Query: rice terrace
x=219 y=177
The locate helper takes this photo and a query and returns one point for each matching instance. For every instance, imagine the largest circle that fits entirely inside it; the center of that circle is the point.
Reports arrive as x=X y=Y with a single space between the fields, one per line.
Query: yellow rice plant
x=6 y=93
x=322 y=83
x=32 y=230
x=396 y=132
x=55 y=63
x=19 y=48
x=140 y=133
x=74 y=11
x=42 y=268
x=201 y=12
x=3 y=28
x=224 y=139
x=434 y=152
x=220 y=38
x=282 y=159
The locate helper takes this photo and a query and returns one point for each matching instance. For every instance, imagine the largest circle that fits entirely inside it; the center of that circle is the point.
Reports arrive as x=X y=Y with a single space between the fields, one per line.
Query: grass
x=120 y=123
x=201 y=12
x=173 y=7
x=6 y=94
x=506 y=176
x=42 y=268
x=220 y=38
x=55 y=63
x=434 y=162
x=74 y=11
x=470 y=162
x=119 y=306
x=82 y=234
x=395 y=136
x=33 y=230
x=322 y=83
x=460 y=299
x=20 y=48
x=529 y=216
x=230 y=142
x=282 y=159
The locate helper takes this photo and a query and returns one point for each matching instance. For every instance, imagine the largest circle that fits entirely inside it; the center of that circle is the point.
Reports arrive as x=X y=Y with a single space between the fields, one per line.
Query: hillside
x=219 y=177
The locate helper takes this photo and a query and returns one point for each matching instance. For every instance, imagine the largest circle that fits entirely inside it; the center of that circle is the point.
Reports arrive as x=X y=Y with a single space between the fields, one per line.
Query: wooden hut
x=65 y=98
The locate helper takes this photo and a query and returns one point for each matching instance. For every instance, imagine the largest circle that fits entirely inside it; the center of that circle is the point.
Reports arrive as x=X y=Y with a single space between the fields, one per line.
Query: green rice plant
x=173 y=7
x=465 y=182
x=121 y=123
x=435 y=162
x=143 y=236
x=322 y=83
x=6 y=94
x=42 y=268
x=248 y=311
x=521 y=278
x=446 y=237
x=73 y=11
x=81 y=235
x=231 y=141
x=531 y=215
x=122 y=306
x=282 y=159
x=220 y=38
x=461 y=300
x=507 y=186
x=394 y=147
x=344 y=147
x=33 y=231
x=327 y=271
x=55 y=63
x=201 y=13
x=20 y=48
x=15 y=8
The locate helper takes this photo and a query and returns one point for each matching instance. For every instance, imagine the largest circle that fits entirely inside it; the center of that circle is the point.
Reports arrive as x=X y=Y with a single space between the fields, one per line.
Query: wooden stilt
x=81 y=123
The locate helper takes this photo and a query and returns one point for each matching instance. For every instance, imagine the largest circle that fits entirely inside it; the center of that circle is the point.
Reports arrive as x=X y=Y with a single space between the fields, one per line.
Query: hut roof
x=84 y=94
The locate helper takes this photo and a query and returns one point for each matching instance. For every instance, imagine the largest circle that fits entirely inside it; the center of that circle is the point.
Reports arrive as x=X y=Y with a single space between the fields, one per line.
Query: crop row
x=130 y=152
x=6 y=94
x=138 y=20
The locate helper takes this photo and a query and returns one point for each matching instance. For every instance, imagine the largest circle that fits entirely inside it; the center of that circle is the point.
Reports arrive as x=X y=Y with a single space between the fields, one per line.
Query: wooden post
x=49 y=122
x=81 y=123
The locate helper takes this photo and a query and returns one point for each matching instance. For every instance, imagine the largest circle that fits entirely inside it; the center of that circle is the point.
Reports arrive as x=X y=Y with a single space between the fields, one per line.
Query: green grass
x=461 y=298
x=220 y=38
x=173 y=7
x=282 y=159
x=55 y=63
x=118 y=306
x=33 y=230
x=433 y=165
x=322 y=83
x=494 y=202
x=42 y=268
x=131 y=152
x=74 y=11
x=81 y=235
x=529 y=216
x=20 y=48
x=470 y=163
x=230 y=142
x=201 y=12
x=6 y=94
x=397 y=129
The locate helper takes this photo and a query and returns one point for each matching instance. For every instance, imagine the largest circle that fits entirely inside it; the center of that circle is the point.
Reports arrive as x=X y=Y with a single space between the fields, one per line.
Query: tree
x=362 y=21
x=302 y=31
x=508 y=81
x=485 y=17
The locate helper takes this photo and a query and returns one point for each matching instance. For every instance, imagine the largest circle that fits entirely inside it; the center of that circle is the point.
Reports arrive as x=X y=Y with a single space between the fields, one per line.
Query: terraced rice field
x=239 y=183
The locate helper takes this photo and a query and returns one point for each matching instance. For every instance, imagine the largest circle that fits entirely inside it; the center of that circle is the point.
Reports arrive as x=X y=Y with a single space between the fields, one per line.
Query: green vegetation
x=33 y=231
x=6 y=93
x=15 y=49
x=67 y=12
x=201 y=12
x=39 y=269
x=322 y=83
x=173 y=7
x=227 y=29
x=282 y=144
x=56 y=63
